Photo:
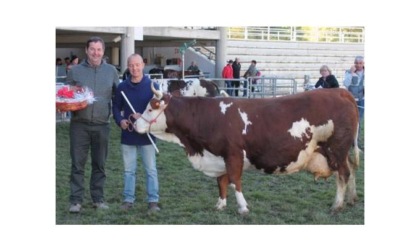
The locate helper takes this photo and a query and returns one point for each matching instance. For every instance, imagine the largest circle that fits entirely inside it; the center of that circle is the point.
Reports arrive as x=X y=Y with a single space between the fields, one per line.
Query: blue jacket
x=139 y=95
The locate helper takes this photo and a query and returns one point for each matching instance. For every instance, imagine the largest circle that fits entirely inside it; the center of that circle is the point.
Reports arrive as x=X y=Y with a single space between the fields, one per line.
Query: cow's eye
x=150 y=110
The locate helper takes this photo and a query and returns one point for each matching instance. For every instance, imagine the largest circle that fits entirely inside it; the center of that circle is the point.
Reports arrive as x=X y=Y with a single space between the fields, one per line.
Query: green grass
x=188 y=196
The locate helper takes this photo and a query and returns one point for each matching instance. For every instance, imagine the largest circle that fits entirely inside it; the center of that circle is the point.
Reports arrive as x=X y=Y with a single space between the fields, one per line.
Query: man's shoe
x=75 y=208
x=126 y=206
x=100 y=205
x=153 y=207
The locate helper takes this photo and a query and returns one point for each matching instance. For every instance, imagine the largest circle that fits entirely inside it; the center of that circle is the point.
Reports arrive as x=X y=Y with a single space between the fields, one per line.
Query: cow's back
x=281 y=129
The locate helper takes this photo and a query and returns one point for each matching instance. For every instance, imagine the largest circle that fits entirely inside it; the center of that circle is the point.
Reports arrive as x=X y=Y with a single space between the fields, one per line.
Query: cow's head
x=153 y=119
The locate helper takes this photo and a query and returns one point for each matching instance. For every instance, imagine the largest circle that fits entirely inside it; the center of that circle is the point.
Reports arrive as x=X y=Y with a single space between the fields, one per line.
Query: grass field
x=188 y=196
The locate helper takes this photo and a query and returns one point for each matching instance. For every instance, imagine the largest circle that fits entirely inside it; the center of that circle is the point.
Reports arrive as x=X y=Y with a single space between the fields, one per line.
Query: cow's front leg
x=223 y=182
x=234 y=170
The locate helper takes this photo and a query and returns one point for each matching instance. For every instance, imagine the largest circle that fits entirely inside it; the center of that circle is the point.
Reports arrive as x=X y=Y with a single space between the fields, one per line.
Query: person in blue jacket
x=137 y=89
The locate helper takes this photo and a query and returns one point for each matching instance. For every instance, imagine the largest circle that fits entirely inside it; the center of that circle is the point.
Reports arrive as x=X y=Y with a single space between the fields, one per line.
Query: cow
x=309 y=131
x=190 y=87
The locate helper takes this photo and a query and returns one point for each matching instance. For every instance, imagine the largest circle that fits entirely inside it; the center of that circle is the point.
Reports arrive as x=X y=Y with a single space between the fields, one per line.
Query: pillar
x=221 y=48
x=115 y=56
x=127 y=47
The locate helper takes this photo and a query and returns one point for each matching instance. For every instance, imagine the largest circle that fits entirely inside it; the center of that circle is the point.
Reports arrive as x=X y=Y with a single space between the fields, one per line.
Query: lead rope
x=134 y=111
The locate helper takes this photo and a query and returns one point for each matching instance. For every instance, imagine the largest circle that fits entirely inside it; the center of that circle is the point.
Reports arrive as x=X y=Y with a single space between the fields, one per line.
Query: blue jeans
x=361 y=107
x=245 y=89
x=148 y=156
x=229 y=90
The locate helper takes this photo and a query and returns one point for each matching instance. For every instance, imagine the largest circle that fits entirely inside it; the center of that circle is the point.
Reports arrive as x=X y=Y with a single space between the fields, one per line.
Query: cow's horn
x=157 y=93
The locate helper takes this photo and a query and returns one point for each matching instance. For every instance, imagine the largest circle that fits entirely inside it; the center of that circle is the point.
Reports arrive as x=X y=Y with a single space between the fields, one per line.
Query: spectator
x=251 y=72
x=327 y=80
x=354 y=81
x=58 y=62
x=89 y=127
x=74 y=61
x=67 y=61
x=138 y=91
x=126 y=74
x=193 y=67
x=228 y=74
x=236 y=66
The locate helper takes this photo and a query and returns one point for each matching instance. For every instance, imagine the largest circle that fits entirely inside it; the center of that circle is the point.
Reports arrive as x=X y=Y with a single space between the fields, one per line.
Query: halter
x=154 y=120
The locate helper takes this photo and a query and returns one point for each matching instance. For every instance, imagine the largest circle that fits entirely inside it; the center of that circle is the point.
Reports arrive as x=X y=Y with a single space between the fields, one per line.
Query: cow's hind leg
x=223 y=182
x=342 y=181
x=351 y=190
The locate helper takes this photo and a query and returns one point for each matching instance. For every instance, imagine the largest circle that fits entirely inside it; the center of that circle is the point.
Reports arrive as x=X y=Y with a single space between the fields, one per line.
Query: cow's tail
x=355 y=158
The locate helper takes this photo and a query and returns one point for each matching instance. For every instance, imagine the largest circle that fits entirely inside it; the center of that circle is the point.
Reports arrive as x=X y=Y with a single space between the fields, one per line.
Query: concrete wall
x=295 y=59
x=164 y=53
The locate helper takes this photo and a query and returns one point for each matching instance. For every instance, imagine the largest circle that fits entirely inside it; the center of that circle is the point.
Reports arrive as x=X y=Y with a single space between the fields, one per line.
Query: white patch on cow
x=157 y=129
x=241 y=203
x=209 y=164
x=299 y=129
x=318 y=166
x=168 y=137
x=307 y=159
x=221 y=204
x=244 y=117
x=224 y=106
x=193 y=88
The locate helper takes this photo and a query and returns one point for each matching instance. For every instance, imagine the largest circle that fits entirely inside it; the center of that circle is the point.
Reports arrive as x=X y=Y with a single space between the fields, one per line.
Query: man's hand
x=137 y=116
x=353 y=69
x=124 y=124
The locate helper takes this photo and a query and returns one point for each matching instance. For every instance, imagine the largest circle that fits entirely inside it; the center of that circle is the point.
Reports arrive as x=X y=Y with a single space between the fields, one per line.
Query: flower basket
x=73 y=98
x=70 y=106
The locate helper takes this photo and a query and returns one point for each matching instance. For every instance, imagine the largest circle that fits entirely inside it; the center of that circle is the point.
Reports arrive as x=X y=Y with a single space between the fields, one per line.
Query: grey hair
x=359 y=58
x=134 y=55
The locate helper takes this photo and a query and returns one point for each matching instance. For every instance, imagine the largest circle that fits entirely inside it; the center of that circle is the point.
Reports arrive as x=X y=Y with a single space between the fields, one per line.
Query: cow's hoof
x=221 y=204
x=220 y=208
x=336 y=209
x=243 y=211
x=352 y=201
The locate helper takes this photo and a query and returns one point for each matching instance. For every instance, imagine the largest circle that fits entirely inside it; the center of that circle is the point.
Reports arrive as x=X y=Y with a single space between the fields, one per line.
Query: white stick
x=129 y=104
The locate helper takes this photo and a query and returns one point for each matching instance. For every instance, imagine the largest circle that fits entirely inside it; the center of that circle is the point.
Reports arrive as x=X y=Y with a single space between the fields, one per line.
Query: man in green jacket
x=89 y=127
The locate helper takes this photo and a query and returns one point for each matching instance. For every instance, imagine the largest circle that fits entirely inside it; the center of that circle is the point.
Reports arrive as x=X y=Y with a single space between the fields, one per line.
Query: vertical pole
x=183 y=64
x=115 y=58
x=127 y=46
x=221 y=47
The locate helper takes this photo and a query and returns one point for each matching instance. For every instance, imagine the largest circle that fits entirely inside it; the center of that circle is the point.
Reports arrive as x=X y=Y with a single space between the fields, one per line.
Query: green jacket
x=103 y=81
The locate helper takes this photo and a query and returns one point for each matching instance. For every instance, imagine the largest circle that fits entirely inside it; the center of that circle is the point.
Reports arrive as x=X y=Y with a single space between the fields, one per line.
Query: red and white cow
x=311 y=131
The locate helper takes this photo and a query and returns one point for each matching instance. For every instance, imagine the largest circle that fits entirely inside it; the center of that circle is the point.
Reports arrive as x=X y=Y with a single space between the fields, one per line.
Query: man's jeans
x=361 y=107
x=148 y=156
x=82 y=137
x=229 y=89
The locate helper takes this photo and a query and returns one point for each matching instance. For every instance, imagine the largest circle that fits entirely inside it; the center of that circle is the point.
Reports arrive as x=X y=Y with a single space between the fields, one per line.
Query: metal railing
x=298 y=33
x=262 y=87
x=251 y=87
x=259 y=87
